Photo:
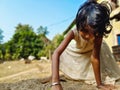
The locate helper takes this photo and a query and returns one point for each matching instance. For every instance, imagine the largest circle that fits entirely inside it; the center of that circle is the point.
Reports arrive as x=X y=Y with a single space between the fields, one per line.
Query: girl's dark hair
x=96 y=16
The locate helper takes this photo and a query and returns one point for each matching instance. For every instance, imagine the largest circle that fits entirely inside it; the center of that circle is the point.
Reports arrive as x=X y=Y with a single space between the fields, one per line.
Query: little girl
x=83 y=55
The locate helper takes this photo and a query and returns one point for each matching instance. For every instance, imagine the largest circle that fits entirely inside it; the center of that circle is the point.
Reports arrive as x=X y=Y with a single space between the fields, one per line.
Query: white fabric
x=75 y=60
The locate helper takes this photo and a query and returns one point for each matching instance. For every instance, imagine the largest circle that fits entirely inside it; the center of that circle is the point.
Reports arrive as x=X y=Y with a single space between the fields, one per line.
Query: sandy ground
x=20 y=81
x=37 y=84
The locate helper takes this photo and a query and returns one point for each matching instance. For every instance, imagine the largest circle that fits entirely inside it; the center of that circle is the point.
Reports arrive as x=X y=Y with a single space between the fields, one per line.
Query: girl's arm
x=56 y=55
x=95 y=59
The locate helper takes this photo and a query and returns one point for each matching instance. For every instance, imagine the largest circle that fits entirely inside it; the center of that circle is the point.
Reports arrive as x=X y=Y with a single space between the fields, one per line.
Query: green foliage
x=2 y=51
x=1 y=36
x=46 y=50
x=7 y=56
x=57 y=40
x=26 y=42
x=49 y=48
x=42 y=30
x=1 y=55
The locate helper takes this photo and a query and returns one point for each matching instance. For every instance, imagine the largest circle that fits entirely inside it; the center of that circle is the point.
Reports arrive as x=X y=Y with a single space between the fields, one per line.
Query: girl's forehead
x=88 y=27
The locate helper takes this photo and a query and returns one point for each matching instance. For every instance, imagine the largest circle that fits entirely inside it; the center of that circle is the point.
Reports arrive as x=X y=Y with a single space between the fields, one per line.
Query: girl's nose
x=87 y=36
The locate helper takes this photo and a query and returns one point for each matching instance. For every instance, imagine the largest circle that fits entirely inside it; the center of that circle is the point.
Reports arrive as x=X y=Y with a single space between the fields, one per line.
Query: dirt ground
x=38 y=84
x=20 y=81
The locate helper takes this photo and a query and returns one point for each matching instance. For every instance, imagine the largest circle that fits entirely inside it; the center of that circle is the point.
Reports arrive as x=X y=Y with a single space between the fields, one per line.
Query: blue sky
x=55 y=14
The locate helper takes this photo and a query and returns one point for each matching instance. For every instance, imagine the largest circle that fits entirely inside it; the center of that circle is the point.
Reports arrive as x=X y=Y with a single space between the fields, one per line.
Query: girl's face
x=87 y=34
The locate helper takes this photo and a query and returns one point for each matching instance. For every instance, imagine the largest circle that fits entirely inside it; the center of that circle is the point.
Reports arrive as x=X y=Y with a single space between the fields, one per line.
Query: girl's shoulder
x=75 y=32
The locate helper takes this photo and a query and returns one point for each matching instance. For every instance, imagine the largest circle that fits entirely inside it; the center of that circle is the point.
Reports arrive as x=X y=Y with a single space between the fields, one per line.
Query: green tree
x=1 y=36
x=41 y=33
x=2 y=50
x=23 y=39
x=26 y=42
x=7 y=55
x=1 y=53
x=51 y=46
x=57 y=40
x=46 y=42
x=42 y=30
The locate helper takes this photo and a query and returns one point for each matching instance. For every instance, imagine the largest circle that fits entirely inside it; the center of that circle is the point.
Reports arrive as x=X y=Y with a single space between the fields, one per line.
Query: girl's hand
x=106 y=87
x=57 y=87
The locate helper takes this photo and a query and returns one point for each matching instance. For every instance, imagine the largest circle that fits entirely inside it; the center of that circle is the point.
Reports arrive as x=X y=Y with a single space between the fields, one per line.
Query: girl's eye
x=86 y=32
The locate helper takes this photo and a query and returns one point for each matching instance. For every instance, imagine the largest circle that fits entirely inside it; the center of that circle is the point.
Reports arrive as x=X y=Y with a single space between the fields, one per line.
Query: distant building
x=114 y=37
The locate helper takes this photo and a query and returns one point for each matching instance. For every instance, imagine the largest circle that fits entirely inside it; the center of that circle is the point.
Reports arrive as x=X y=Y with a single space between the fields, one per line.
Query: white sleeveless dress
x=75 y=60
